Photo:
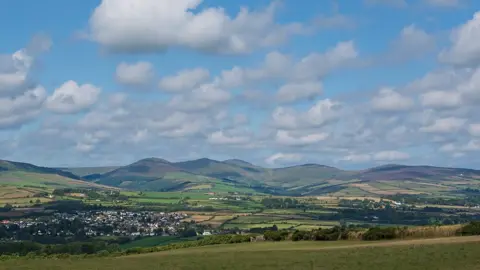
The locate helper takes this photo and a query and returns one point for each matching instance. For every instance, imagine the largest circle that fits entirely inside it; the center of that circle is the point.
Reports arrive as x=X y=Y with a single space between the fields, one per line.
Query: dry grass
x=420 y=232
x=371 y=189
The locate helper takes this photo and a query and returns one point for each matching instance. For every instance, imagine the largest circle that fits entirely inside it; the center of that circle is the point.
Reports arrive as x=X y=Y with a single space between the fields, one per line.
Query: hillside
x=84 y=171
x=308 y=179
x=425 y=254
x=18 y=174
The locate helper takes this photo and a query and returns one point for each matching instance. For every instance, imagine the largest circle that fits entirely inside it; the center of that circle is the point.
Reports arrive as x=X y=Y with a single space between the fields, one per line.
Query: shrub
x=472 y=228
x=378 y=233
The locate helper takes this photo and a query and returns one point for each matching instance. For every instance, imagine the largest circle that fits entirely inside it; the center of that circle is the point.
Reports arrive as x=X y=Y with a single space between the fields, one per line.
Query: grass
x=155 y=241
x=414 y=255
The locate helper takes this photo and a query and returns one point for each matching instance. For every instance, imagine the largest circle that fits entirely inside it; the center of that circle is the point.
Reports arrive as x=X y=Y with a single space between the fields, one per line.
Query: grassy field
x=155 y=241
x=438 y=254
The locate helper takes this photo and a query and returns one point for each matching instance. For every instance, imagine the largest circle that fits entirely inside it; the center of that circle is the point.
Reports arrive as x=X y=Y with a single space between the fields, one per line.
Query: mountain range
x=157 y=174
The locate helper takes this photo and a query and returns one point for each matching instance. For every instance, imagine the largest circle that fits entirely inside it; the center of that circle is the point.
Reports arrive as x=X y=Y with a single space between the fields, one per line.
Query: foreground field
x=445 y=253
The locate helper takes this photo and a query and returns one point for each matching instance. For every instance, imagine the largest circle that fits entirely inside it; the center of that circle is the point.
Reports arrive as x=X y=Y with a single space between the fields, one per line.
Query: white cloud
x=284 y=137
x=15 y=69
x=321 y=113
x=449 y=147
x=357 y=158
x=445 y=125
x=219 y=137
x=72 y=98
x=184 y=80
x=205 y=97
x=292 y=92
x=472 y=145
x=310 y=68
x=283 y=158
x=152 y=26
x=19 y=109
x=411 y=43
x=465 y=48
x=474 y=129
x=137 y=74
x=441 y=99
x=390 y=156
x=388 y=100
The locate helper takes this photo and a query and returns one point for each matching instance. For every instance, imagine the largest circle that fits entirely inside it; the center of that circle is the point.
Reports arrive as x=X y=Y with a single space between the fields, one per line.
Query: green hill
x=438 y=254
x=27 y=175
x=309 y=179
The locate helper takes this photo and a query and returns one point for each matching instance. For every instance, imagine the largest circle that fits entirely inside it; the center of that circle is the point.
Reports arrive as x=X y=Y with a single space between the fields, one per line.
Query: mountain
x=403 y=172
x=207 y=174
x=85 y=171
x=6 y=165
x=25 y=174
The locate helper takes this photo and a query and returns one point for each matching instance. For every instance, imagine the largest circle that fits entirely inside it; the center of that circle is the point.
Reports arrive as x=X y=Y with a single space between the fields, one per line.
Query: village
x=89 y=224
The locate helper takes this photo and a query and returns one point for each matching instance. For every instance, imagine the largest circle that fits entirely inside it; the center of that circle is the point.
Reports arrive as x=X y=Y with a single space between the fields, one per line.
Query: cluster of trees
x=282 y=203
x=473 y=228
x=25 y=247
x=471 y=200
x=6 y=208
x=106 y=248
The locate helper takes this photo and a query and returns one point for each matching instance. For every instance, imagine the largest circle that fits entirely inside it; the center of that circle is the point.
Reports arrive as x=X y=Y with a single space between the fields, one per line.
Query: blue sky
x=343 y=83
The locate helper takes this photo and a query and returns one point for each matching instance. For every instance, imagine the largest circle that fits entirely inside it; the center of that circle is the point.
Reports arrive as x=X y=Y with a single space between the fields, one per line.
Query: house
x=205 y=233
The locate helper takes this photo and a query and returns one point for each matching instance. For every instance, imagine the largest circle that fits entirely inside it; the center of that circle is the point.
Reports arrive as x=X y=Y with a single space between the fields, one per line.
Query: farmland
x=438 y=254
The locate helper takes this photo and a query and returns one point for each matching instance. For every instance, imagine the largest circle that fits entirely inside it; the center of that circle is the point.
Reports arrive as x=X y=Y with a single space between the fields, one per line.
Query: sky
x=350 y=84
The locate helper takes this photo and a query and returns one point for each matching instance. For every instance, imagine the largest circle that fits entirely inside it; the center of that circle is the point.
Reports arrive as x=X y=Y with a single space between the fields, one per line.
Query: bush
x=472 y=228
x=273 y=236
x=378 y=233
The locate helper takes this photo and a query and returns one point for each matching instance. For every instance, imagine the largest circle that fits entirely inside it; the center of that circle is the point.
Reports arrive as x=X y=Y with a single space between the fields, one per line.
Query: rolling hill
x=18 y=174
x=308 y=179
x=157 y=174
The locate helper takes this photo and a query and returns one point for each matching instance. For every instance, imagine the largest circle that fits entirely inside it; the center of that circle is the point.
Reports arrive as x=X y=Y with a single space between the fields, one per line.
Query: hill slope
x=439 y=254
x=23 y=174
x=307 y=179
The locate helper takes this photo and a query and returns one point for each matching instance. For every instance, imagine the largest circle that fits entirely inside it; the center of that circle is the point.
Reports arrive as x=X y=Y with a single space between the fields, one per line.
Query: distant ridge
x=159 y=174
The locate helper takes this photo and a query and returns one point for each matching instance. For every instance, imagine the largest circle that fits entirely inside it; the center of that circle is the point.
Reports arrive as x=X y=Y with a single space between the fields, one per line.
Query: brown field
x=370 y=189
x=198 y=218
x=217 y=221
x=79 y=195
x=202 y=186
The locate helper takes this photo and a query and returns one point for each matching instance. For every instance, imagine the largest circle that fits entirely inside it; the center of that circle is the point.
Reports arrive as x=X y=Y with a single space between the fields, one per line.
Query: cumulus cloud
x=292 y=92
x=474 y=129
x=441 y=99
x=445 y=125
x=154 y=26
x=283 y=158
x=390 y=156
x=310 y=68
x=19 y=109
x=220 y=137
x=21 y=98
x=136 y=74
x=202 y=98
x=184 y=80
x=388 y=100
x=357 y=158
x=322 y=112
x=285 y=137
x=465 y=49
x=411 y=43
x=71 y=97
